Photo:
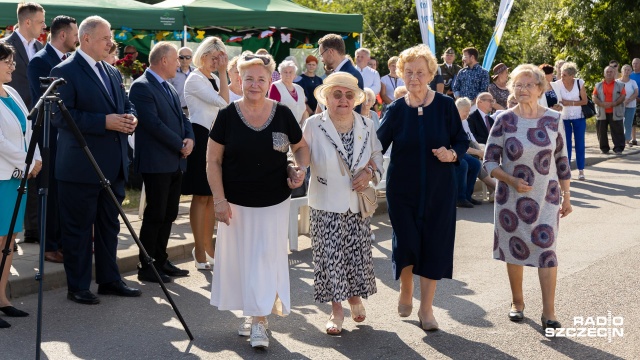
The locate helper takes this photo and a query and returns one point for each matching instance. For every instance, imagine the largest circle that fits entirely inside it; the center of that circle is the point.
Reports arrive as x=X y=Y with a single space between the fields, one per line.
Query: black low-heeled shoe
x=13 y=312
x=516 y=315
x=4 y=324
x=554 y=324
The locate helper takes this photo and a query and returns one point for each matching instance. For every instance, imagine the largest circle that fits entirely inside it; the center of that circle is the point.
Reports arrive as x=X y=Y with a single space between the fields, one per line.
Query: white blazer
x=202 y=100
x=329 y=189
x=12 y=142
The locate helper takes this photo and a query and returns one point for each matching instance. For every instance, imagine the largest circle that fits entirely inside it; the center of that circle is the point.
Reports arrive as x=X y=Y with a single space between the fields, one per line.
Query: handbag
x=367 y=199
x=589 y=109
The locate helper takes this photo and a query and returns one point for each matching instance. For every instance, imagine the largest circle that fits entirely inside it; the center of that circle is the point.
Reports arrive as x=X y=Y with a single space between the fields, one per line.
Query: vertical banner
x=425 y=18
x=501 y=22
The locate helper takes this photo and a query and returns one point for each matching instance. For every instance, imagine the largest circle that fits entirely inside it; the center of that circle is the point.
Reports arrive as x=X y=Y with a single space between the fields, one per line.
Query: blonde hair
x=243 y=64
x=529 y=70
x=233 y=63
x=370 y=95
x=400 y=91
x=393 y=59
x=209 y=45
x=413 y=54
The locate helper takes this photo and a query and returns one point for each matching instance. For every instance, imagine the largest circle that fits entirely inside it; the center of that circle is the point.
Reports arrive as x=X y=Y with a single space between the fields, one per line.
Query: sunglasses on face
x=184 y=57
x=265 y=60
x=337 y=94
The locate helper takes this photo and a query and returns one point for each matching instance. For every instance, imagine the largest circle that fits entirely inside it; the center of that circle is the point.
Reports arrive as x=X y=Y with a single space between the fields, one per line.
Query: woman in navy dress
x=428 y=139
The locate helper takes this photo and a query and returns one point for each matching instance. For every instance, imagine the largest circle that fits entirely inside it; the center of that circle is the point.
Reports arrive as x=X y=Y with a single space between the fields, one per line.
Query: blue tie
x=105 y=78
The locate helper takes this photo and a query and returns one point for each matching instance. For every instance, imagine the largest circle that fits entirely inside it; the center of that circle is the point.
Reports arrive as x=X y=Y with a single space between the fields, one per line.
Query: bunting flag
x=235 y=39
x=285 y=38
x=425 y=19
x=501 y=22
x=200 y=35
x=265 y=34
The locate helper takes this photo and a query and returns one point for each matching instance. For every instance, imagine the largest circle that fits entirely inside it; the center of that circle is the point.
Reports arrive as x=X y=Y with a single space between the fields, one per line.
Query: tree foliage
x=588 y=32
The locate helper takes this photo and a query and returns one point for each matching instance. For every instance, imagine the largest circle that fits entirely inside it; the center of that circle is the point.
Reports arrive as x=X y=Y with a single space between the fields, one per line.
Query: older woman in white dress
x=288 y=93
x=205 y=94
x=251 y=181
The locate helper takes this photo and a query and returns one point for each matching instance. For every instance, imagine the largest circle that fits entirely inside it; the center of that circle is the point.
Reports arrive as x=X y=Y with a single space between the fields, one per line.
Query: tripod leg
x=106 y=185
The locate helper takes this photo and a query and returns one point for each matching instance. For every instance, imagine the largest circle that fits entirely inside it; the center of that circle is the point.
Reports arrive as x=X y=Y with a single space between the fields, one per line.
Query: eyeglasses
x=337 y=94
x=492 y=101
x=184 y=57
x=265 y=60
x=324 y=51
x=614 y=66
x=9 y=63
x=528 y=87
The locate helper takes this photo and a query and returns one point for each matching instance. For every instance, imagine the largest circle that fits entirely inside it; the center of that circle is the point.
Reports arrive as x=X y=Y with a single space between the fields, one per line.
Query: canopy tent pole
x=184 y=36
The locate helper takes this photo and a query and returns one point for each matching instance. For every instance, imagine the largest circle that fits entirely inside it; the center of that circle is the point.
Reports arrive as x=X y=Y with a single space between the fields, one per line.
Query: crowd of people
x=240 y=137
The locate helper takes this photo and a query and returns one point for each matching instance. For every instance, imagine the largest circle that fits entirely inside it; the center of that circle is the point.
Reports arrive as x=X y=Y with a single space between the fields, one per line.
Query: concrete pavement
x=598 y=250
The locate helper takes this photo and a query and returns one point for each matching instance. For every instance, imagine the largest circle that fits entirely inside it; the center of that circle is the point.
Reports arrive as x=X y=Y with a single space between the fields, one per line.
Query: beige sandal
x=358 y=312
x=336 y=324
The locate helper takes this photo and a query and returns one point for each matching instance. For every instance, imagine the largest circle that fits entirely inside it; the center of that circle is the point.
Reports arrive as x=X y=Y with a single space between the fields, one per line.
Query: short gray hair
x=364 y=50
x=185 y=48
x=531 y=71
x=287 y=63
x=159 y=51
x=570 y=67
x=209 y=45
x=463 y=103
x=88 y=25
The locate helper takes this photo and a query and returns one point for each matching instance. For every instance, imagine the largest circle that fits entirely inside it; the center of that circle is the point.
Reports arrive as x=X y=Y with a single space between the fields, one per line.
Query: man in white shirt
x=370 y=76
x=185 y=57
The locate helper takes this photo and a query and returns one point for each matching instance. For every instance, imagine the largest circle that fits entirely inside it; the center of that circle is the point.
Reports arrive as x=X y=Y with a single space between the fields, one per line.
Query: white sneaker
x=259 y=337
x=245 y=328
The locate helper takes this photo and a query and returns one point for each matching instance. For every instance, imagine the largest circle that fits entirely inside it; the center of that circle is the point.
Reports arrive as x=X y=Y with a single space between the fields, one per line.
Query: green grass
x=131 y=199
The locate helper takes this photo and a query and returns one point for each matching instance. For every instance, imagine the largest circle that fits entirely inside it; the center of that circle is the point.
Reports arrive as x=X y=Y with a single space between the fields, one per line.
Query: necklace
x=424 y=101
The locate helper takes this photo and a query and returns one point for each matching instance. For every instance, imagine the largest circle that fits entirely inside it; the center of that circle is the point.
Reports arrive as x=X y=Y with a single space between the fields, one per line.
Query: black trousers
x=163 y=200
x=617 y=133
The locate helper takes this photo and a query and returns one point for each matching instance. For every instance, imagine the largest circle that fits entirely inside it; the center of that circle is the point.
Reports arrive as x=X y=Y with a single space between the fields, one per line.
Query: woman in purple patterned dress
x=526 y=152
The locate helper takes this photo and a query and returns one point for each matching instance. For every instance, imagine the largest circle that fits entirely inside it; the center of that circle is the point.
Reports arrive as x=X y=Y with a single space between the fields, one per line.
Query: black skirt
x=195 y=181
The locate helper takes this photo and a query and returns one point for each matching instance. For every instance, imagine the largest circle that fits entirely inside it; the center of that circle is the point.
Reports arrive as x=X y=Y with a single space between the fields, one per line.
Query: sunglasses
x=350 y=95
x=265 y=60
x=184 y=57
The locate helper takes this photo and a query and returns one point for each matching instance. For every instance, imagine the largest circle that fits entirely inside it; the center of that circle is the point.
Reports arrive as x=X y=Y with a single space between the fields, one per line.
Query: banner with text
x=425 y=19
x=501 y=22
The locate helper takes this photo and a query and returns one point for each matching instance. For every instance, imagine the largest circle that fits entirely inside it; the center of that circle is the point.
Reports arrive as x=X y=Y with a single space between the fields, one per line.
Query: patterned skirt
x=343 y=263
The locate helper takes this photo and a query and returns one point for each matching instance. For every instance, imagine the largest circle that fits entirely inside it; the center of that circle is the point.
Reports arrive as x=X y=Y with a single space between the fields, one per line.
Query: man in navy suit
x=64 y=39
x=163 y=141
x=480 y=122
x=25 y=42
x=333 y=53
x=99 y=105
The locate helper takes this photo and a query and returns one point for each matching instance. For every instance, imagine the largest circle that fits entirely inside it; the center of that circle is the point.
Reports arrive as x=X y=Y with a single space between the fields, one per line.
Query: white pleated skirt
x=251 y=270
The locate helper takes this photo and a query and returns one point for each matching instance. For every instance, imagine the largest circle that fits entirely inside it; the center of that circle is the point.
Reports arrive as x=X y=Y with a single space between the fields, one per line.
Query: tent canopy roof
x=119 y=13
x=261 y=14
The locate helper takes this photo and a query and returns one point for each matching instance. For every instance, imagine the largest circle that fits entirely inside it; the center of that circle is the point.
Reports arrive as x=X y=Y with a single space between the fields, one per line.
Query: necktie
x=64 y=57
x=176 y=104
x=105 y=78
x=165 y=85
x=486 y=122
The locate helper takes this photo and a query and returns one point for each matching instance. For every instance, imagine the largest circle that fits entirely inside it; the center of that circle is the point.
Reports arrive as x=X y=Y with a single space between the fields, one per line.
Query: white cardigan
x=298 y=107
x=12 y=142
x=202 y=100
x=329 y=190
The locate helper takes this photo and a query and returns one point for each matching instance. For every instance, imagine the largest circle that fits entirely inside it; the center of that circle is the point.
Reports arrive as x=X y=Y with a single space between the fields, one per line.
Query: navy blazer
x=89 y=102
x=40 y=66
x=19 y=79
x=349 y=68
x=478 y=128
x=162 y=126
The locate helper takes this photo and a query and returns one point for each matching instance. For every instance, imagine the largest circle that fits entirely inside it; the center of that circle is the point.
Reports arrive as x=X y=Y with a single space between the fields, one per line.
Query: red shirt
x=607 y=88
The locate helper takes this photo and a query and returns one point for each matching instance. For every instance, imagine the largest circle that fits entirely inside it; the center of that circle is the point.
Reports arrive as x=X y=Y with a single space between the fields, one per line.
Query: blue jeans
x=629 y=114
x=466 y=174
x=577 y=127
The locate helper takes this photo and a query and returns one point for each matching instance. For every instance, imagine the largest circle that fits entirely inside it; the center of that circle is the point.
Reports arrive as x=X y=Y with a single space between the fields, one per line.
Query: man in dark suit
x=24 y=40
x=333 y=53
x=480 y=122
x=99 y=105
x=163 y=141
x=64 y=39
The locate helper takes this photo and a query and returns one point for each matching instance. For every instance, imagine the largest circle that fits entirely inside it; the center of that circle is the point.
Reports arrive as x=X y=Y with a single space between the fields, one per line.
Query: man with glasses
x=185 y=57
x=333 y=55
x=480 y=122
x=131 y=50
x=449 y=70
x=473 y=79
x=25 y=42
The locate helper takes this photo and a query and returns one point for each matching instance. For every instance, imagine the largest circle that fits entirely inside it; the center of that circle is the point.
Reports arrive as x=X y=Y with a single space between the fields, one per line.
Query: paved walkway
x=25 y=264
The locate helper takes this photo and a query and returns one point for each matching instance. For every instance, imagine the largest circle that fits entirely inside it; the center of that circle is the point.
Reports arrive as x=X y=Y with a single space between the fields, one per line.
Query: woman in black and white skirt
x=343 y=144
x=205 y=95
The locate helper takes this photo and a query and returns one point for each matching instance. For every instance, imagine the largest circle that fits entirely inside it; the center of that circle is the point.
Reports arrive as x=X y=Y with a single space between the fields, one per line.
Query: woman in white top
x=365 y=109
x=572 y=95
x=631 y=88
x=205 y=94
x=289 y=94
x=390 y=83
x=235 y=81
